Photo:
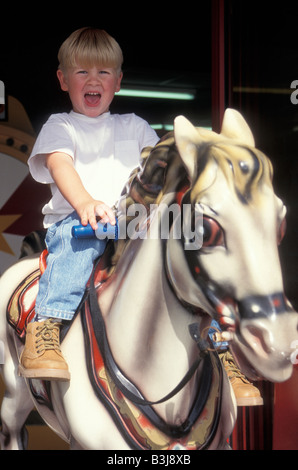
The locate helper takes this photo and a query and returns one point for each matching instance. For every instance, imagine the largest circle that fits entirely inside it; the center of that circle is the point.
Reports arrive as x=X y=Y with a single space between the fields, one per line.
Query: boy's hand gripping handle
x=102 y=232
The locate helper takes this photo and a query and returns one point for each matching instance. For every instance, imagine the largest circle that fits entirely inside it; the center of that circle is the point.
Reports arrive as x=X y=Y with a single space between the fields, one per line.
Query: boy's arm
x=61 y=168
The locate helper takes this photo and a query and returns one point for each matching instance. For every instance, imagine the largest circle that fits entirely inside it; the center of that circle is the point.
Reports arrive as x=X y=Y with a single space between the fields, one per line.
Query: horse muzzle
x=264 y=340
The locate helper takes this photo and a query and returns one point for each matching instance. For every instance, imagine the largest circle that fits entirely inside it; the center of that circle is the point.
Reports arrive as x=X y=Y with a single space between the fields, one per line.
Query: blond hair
x=88 y=47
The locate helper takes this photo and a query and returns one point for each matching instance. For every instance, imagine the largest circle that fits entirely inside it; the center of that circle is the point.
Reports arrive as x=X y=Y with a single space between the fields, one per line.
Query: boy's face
x=92 y=89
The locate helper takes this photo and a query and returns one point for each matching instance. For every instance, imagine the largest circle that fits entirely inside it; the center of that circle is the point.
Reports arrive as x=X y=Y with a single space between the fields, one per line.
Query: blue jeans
x=69 y=266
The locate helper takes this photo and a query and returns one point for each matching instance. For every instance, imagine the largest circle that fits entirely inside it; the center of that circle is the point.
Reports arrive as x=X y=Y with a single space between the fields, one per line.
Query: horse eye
x=213 y=234
x=281 y=231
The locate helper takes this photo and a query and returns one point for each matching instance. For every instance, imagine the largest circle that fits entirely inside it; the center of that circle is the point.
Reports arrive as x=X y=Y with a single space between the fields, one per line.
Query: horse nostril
x=258 y=338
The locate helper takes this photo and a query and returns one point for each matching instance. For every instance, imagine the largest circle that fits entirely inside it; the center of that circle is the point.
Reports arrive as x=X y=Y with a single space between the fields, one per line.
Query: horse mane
x=161 y=172
x=245 y=168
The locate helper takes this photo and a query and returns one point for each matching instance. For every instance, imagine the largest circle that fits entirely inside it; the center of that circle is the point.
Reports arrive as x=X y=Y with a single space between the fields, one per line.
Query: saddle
x=21 y=306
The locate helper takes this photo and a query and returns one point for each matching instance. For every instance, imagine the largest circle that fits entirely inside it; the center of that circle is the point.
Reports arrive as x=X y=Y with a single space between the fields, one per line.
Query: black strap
x=125 y=385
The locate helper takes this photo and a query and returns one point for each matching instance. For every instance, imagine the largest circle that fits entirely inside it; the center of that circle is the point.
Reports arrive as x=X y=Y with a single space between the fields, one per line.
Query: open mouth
x=92 y=98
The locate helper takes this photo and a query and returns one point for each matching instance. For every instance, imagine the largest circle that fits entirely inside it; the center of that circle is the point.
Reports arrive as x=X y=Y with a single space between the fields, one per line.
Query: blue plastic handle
x=102 y=232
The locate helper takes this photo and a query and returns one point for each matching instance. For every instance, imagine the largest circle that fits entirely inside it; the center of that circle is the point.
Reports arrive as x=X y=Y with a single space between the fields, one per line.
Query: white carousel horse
x=141 y=329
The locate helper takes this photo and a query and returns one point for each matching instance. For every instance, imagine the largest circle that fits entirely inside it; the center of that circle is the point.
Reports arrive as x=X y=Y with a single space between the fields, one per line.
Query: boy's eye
x=85 y=72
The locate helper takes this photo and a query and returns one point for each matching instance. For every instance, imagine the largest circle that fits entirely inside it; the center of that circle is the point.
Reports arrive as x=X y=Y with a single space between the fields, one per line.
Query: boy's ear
x=63 y=80
x=118 y=85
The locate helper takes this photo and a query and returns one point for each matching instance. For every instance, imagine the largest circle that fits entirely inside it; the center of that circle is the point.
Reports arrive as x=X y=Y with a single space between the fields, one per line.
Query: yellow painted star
x=5 y=222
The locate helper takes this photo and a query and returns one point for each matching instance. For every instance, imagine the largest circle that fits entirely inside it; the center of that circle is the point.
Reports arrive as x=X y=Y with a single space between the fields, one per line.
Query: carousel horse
x=143 y=373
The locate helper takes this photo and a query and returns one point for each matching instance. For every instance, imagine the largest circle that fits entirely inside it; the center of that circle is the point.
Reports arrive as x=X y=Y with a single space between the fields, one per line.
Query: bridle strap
x=126 y=386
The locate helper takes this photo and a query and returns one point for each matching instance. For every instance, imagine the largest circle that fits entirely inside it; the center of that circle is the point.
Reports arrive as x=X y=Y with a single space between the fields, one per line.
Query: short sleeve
x=146 y=135
x=55 y=136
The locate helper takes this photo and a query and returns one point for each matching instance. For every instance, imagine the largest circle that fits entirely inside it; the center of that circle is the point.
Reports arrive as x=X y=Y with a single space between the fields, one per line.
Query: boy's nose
x=94 y=77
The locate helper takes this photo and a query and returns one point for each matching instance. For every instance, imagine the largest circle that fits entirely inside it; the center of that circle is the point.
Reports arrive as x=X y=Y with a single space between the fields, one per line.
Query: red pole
x=218 y=63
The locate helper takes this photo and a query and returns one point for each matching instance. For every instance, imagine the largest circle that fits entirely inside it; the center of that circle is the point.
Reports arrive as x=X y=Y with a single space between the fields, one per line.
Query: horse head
x=235 y=274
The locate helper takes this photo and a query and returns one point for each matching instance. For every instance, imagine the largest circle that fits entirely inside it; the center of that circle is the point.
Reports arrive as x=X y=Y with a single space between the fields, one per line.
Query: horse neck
x=147 y=326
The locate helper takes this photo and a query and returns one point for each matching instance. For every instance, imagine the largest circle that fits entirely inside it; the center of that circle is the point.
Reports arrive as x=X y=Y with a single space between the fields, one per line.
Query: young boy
x=86 y=156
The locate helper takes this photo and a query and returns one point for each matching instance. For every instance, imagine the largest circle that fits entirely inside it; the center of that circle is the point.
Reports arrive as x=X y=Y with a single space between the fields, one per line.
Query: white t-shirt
x=105 y=150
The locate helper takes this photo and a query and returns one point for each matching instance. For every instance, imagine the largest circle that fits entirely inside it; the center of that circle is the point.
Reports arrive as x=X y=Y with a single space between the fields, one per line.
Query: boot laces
x=48 y=336
x=231 y=367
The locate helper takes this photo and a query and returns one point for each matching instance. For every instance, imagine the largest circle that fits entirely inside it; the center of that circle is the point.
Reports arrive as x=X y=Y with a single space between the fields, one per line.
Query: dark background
x=162 y=46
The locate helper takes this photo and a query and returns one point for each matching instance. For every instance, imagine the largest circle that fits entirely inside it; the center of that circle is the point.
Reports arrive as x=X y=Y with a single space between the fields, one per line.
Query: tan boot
x=245 y=392
x=42 y=357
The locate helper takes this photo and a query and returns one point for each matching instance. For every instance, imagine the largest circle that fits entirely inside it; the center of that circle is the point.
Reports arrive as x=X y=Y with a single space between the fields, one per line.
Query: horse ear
x=235 y=127
x=186 y=138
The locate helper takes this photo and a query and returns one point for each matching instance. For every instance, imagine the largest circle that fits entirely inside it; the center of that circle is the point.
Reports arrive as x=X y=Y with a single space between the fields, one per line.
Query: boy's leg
x=245 y=392
x=69 y=265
